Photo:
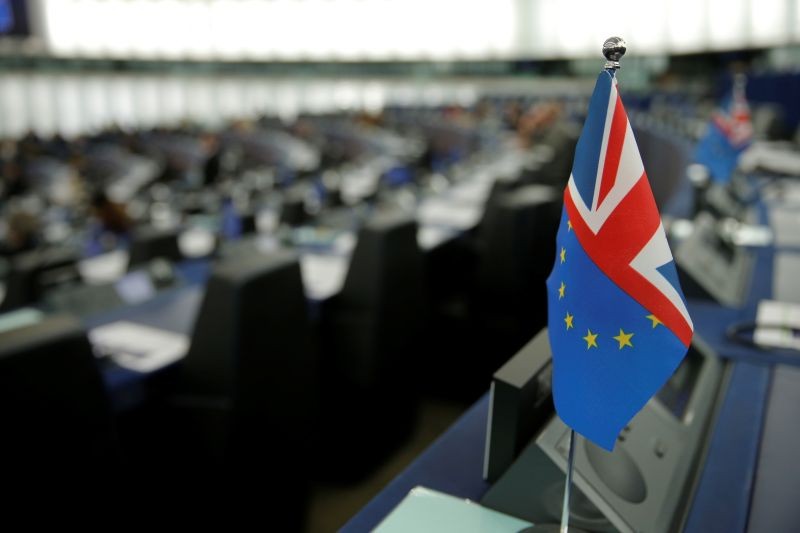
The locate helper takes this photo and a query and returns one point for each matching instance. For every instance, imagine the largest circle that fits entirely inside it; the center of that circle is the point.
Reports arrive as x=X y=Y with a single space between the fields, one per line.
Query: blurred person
x=537 y=121
x=13 y=179
x=22 y=233
x=112 y=216
x=173 y=170
x=511 y=114
x=213 y=162
x=30 y=145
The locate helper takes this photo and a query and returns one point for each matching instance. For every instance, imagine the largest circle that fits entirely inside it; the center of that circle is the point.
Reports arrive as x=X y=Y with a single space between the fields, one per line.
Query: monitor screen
x=14 y=18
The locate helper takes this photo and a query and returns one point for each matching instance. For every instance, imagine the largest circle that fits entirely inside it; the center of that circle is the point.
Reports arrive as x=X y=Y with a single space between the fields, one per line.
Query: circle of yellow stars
x=623 y=338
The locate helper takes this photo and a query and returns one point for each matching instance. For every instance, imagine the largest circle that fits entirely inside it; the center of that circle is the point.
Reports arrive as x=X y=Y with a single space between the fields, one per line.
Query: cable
x=742 y=333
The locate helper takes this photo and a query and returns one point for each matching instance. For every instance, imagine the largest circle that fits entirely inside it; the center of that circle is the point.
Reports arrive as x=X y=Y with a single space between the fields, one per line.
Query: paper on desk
x=20 y=318
x=196 y=242
x=138 y=347
x=441 y=212
x=323 y=275
x=429 y=237
x=783 y=318
x=104 y=268
x=344 y=243
x=471 y=192
x=424 y=510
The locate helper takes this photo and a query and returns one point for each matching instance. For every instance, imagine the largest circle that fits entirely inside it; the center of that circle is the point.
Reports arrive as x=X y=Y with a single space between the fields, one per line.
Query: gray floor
x=332 y=507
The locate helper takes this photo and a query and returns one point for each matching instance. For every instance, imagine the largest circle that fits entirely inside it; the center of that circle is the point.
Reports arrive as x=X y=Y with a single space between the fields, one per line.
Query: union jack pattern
x=617 y=321
x=620 y=228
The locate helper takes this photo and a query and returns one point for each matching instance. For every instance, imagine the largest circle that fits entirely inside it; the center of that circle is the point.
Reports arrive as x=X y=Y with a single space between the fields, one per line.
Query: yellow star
x=591 y=339
x=561 y=290
x=569 y=225
x=624 y=339
x=568 y=320
x=563 y=254
x=655 y=320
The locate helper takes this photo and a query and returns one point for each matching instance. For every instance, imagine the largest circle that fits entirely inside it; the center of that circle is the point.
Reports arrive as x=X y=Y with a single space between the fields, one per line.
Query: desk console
x=645 y=484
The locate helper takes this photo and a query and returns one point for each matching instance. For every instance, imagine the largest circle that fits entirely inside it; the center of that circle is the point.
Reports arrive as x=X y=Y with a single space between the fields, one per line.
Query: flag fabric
x=729 y=133
x=617 y=319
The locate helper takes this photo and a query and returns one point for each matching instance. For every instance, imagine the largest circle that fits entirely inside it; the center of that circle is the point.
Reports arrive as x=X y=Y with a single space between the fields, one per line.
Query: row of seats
x=268 y=393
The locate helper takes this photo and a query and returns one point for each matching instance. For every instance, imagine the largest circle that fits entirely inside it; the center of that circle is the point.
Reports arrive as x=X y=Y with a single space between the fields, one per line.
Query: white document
x=782 y=320
x=446 y=213
x=138 y=347
x=424 y=510
x=472 y=192
x=344 y=244
x=20 y=318
x=323 y=275
x=104 y=268
x=429 y=237
x=196 y=242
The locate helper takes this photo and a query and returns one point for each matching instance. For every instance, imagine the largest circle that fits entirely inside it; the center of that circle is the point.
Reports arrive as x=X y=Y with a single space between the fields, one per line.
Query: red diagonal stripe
x=616 y=139
x=622 y=236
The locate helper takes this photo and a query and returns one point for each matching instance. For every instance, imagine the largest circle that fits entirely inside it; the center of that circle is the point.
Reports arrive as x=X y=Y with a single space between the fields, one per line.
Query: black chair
x=515 y=246
x=243 y=412
x=33 y=273
x=249 y=223
x=293 y=210
x=56 y=417
x=562 y=140
x=370 y=332
x=489 y=292
x=151 y=243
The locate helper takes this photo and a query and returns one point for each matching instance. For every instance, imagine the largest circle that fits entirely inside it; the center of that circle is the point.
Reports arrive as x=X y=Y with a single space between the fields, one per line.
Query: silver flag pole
x=568 y=483
x=613 y=50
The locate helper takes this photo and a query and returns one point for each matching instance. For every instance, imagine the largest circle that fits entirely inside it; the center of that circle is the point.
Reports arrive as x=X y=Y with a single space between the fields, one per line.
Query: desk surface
x=453 y=464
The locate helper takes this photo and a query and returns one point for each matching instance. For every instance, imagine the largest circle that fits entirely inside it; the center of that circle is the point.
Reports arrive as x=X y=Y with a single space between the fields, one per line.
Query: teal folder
x=425 y=510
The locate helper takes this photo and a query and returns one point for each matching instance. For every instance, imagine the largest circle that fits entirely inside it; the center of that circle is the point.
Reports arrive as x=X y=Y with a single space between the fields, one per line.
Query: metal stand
x=613 y=50
x=568 y=483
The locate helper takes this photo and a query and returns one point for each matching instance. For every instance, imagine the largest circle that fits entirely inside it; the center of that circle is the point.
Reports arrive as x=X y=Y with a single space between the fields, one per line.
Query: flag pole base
x=550 y=528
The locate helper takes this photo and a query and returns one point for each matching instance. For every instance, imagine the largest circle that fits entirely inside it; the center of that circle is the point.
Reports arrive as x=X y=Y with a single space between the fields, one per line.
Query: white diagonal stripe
x=655 y=254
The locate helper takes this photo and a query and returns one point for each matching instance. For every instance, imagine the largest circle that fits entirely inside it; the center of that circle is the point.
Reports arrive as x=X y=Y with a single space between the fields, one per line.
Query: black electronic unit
x=521 y=402
x=645 y=484
x=154 y=243
x=33 y=273
x=710 y=266
x=133 y=288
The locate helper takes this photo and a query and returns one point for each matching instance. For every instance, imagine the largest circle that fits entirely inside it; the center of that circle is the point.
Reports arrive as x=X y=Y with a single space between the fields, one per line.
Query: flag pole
x=613 y=50
x=568 y=483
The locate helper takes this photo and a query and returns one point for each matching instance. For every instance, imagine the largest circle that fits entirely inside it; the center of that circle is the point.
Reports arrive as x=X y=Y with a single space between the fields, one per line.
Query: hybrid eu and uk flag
x=729 y=133
x=617 y=319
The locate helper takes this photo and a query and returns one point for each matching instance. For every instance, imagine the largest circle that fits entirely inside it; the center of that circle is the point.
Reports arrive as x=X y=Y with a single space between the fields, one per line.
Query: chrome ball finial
x=613 y=50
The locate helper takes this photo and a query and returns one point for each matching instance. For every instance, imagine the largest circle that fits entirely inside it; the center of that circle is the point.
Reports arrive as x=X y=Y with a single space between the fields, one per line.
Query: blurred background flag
x=617 y=319
x=729 y=133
